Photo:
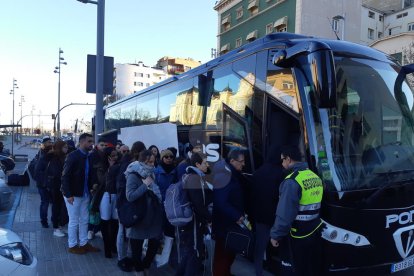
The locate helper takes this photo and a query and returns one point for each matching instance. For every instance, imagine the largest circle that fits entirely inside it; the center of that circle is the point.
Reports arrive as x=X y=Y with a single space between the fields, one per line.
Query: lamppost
x=21 y=113
x=33 y=109
x=341 y=17
x=57 y=71
x=12 y=93
x=99 y=64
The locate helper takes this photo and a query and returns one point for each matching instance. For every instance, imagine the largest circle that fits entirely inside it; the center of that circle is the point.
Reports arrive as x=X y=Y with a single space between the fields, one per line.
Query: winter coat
x=73 y=175
x=229 y=198
x=53 y=171
x=40 y=168
x=151 y=225
x=164 y=179
x=265 y=193
x=200 y=203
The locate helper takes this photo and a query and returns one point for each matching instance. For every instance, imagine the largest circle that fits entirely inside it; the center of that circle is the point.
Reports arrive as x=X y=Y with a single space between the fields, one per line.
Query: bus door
x=236 y=134
x=282 y=126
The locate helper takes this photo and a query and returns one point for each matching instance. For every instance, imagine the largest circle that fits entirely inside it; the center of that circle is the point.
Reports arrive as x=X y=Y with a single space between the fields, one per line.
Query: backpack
x=177 y=206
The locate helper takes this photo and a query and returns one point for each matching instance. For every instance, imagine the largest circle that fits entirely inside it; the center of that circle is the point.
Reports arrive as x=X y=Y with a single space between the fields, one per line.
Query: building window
x=269 y=28
x=226 y=22
x=253 y=7
x=381 y=18
x=281 y=24
x=147 y=84
x=371 y=14
x=252 y=36
x=335 y=25
x=239 y=13
x=380 y=35
x=238 y=42
x=148 y=76
x=401 y=15
x=225 y=48
x=370 y=33
x=138 y=74
x=411 y=27
x=281 y=28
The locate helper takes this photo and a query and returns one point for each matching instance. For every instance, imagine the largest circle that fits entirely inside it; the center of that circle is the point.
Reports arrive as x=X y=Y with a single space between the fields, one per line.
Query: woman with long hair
x=140 y=185
x=53 y=172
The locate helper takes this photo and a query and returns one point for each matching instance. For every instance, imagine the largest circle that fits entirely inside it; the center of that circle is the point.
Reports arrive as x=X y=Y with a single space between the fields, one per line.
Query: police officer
x=297 y=225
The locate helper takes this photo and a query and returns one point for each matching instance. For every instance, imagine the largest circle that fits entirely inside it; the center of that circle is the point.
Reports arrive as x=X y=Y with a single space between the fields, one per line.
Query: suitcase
x=19 y=179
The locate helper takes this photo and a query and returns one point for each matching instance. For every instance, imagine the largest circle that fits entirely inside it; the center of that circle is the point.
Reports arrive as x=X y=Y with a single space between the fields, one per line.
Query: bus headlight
x=339 y=235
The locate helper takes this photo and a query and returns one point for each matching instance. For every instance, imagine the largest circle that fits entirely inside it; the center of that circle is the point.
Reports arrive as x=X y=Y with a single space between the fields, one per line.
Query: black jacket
x=39 y=172
x=73 y=175
x=229 y=197
x=265 y=193
x=53 y=172
x=200 y=204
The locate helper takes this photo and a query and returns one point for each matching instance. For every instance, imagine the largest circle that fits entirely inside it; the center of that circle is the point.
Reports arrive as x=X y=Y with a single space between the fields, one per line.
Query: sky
x=31 y=33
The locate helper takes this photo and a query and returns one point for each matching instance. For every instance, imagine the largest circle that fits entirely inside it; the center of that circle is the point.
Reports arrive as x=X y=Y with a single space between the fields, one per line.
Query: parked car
x=5 y=191
x=15 y=256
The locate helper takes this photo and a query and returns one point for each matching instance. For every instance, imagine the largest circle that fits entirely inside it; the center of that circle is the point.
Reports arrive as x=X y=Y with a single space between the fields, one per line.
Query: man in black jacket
x=75 y=189
x=264 y=198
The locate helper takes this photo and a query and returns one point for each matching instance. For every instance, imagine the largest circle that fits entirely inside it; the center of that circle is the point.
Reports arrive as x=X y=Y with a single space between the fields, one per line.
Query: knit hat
x=165 y=153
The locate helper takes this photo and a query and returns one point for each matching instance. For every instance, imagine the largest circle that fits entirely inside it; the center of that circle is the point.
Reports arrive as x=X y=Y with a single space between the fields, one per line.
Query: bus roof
x=274 y=40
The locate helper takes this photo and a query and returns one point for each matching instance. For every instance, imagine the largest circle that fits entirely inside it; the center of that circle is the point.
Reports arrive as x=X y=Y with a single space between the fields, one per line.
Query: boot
x=106 y=237
x=162 y=259
x=114 y=232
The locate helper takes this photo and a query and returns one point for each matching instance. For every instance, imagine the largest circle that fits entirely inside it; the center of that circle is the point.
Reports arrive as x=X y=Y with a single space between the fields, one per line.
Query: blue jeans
x=45 y=200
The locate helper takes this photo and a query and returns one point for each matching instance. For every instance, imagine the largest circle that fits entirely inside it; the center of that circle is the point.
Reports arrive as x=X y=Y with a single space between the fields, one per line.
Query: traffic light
x=53 y=116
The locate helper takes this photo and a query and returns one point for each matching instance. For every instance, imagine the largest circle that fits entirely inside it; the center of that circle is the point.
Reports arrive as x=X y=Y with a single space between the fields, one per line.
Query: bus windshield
x=366 y=141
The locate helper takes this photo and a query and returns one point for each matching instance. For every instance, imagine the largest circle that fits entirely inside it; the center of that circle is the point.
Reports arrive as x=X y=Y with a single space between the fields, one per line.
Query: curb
x=12 y=213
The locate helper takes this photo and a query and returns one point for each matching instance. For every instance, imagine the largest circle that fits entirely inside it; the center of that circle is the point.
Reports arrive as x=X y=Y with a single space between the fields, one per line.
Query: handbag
x=130 y=213
x=240 y=240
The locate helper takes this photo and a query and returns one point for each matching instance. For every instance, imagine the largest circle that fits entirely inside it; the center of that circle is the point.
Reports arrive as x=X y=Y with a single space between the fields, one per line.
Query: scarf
x=141 y=168
x=167 y=168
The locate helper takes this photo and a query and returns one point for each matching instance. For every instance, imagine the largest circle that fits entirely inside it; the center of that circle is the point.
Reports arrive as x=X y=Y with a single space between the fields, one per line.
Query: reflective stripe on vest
x=307 y=219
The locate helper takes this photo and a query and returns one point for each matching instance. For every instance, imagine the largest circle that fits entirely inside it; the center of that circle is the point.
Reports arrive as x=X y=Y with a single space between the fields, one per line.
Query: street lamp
x=33 y=109
x=57 y=71
x=99 y=64
x=341 y=17
x=12 y=93
x=21 y=113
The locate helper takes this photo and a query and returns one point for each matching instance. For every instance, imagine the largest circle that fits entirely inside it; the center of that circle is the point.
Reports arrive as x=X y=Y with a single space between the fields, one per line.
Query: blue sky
x=31 y=33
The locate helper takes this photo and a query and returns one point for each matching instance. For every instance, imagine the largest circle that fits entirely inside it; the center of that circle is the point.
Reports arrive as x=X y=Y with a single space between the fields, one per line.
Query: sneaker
x=91 y=235
x=90 y=248
x=64 y=230
x=76 y=250
x=58 y=233
x=99 y=234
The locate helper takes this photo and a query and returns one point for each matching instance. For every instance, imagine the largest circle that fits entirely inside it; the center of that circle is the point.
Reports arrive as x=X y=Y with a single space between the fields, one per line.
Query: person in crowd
x=228 y=206
x=192 y=248
x=264 y=198
x=192 y=148
x=297 y=226
x=75 y=188
x=154 y=149
x=107 y=210
x=39 y=176
x=165 y=175
x=53 y=172
x=3 y=151
x=123 y=149
x=98 y=164
x=122 y=244
x=118 y=145
x=140 y=183
x=71 y=146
